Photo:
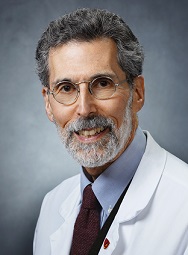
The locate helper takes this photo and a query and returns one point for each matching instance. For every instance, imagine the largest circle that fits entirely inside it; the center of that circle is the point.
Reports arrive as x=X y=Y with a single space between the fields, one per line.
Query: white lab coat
x=152 y=219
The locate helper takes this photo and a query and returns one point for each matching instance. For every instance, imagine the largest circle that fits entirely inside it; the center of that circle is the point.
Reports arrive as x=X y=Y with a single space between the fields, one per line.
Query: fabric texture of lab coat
x=152 y=219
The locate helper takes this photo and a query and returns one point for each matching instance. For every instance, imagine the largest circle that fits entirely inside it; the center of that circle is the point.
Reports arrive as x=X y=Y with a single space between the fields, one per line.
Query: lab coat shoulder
x=60 y=193
x=176 y=170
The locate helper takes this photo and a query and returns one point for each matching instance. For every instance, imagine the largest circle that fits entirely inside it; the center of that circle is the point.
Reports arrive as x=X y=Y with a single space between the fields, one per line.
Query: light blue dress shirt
x=112 y=182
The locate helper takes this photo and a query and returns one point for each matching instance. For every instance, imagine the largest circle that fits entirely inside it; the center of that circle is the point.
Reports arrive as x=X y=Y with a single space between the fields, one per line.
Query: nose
x=86 y=103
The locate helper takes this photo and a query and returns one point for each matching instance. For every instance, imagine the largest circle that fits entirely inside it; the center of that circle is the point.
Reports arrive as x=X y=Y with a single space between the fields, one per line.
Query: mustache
x=90 y=122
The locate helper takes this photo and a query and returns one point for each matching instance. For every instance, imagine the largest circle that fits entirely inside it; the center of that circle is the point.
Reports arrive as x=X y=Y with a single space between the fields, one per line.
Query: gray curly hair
x=86 y=25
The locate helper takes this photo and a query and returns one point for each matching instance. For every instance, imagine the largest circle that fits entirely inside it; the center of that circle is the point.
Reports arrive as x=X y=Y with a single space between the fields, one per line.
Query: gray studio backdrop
x=32 y=159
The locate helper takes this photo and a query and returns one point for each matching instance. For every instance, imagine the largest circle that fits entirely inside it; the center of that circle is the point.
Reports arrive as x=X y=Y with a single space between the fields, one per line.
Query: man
x=90 y=66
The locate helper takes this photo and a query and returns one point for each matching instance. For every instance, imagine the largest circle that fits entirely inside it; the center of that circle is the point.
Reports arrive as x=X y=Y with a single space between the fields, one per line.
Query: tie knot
x=89 y=199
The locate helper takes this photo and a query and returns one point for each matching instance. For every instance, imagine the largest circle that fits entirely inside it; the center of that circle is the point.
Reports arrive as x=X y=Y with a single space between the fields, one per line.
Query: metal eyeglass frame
x=90 y=83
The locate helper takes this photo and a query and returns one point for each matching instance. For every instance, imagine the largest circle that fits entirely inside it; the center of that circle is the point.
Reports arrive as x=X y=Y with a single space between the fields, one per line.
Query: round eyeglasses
x=66 y=92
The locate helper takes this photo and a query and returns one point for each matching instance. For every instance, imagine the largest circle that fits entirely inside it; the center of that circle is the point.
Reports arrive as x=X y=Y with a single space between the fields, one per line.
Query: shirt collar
x=111 y=183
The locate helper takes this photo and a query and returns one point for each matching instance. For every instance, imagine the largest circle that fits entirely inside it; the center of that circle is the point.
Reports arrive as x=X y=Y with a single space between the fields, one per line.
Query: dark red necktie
x=87 y=224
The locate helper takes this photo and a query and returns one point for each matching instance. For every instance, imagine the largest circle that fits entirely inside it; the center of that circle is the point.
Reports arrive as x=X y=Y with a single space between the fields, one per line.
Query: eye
x=65 y=88
x=103 y=83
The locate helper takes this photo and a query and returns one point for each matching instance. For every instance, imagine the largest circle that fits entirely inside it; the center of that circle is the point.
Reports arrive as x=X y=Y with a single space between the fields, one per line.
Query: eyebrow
x=60 y=80
x=111 y=75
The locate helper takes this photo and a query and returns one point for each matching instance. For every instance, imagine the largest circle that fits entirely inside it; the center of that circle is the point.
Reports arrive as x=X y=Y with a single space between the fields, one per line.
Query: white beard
x=104 y=150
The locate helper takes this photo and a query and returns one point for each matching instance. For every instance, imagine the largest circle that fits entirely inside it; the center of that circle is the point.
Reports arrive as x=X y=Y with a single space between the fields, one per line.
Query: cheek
x=116 y=111
x=61 y=115
x=120 y=114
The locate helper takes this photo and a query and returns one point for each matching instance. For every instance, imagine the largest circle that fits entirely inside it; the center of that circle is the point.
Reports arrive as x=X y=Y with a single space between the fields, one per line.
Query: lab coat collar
x=145 y=181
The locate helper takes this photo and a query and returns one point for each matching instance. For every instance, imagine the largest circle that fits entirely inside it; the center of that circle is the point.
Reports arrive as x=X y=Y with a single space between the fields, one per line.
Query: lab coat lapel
x=140 y=192
x=145 y=181
x=62 y=238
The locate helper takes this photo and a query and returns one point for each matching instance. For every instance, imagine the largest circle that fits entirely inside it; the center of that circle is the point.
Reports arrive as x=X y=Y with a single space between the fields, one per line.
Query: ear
x=47 y=103
x=138 y=93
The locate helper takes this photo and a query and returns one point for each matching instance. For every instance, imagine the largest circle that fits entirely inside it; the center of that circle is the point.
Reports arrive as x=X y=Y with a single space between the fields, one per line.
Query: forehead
x=82 y=60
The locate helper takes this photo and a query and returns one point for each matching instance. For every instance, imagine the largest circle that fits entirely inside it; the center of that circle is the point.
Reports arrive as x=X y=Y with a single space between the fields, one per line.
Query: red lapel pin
x=106 y=243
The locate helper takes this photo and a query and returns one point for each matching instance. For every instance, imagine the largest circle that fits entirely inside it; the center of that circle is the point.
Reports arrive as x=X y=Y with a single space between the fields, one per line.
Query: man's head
x=96 y=117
